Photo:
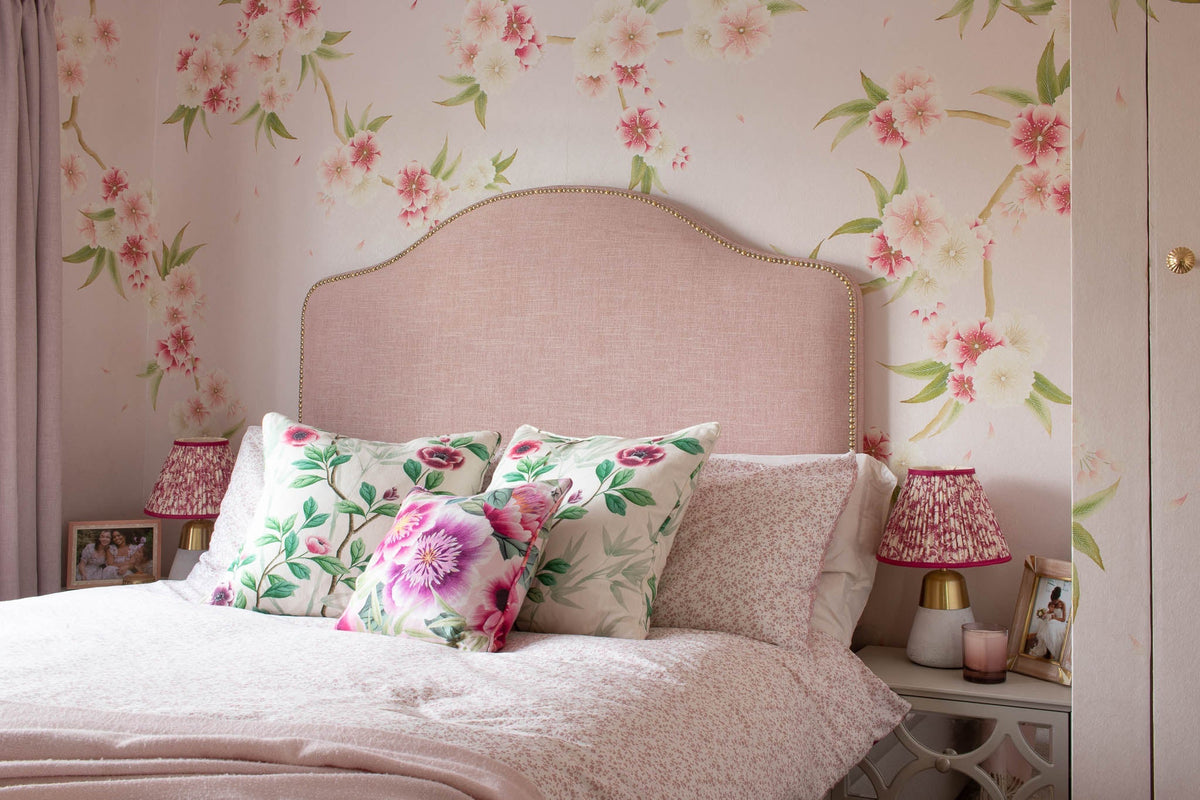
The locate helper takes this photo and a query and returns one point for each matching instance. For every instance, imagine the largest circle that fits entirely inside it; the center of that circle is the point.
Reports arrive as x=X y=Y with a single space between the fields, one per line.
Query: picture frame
x=1039 y=639
x=102 y=553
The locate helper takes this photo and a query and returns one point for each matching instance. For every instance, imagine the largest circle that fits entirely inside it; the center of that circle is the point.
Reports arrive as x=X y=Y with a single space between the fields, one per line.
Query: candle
x=985 y=647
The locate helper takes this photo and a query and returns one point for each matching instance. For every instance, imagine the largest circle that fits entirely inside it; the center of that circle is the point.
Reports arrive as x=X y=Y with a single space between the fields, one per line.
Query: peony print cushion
x=606 y=546
x=749 y=554
x=327 y=502
x=452 y=570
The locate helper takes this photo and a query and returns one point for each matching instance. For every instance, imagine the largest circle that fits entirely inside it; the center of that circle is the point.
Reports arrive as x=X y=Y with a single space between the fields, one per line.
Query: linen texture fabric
x=452 y=570
x=328 y=500
x=607 y=544
x=750 y=551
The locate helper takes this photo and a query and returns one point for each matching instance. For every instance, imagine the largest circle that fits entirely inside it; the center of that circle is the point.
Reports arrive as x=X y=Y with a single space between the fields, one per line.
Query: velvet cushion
x=607 y=545
x=452 y=570
x=749 y=553
x=327 y=502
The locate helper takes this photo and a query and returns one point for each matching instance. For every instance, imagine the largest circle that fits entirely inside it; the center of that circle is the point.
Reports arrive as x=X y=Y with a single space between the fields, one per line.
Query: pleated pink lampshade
x=193 y=480
x=942 y=519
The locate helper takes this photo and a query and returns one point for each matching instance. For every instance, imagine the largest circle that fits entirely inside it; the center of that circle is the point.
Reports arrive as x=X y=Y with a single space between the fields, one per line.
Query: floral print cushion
x=327 y=502
x=452 y=570
x=606 y=546
x=748 y=557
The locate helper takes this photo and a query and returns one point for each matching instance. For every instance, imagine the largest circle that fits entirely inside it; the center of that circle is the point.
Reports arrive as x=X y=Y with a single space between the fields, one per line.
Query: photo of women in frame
x=1040 y=636
x=104 y=553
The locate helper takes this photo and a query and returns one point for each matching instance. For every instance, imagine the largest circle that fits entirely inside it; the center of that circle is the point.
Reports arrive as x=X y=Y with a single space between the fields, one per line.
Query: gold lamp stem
x=196 y=534
x=944 y=589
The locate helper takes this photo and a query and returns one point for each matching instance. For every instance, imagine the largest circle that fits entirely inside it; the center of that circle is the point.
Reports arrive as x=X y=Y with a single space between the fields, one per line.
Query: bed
x=720 y=668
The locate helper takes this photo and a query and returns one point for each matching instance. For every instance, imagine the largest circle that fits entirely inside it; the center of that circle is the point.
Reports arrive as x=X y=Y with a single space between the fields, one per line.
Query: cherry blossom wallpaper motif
x=943 y=197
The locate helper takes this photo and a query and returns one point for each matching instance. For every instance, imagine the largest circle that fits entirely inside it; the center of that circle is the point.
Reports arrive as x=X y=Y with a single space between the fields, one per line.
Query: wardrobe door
x=1174 y=213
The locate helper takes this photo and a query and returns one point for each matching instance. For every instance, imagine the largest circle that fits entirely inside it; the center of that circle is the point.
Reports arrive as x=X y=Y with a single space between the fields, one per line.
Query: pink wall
x=732 y=128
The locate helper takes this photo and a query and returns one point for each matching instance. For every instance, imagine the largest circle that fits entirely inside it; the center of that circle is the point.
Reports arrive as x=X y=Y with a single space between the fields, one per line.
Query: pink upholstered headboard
x=584 y=310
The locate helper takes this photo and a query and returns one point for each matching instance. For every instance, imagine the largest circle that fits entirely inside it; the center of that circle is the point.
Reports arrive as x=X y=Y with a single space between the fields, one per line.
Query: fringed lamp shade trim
x=943 y=519
x=193 y=480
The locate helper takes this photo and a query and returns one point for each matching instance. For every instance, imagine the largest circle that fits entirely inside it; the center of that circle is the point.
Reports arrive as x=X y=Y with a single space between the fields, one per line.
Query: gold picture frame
x=1039 y=640
x=95 y=558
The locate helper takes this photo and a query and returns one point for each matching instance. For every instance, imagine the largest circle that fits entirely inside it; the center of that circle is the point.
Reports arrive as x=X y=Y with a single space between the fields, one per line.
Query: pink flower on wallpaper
x=439 y=199
x=163 y=356
x=876 y=444
x=260 y=63
x=255 y=8
x=134 y=251
x=680 y=161
x=466 y=57
x=632 y=34
x=1033 y=188
x=914 y=222
x=413 y=184
x=642 y=455
x=106 y=33
x=1060 y=194
x=183 y=58
x=137 y=280
x=173 y=314
x=364 y=151
x=886 y=260
x=743 y=30
x=1040 y=136
x=195 y=411
x=204 y=67
x=591 y=85
x=938 y=336
x=180 y=342
x=484 y=20
x=112 y=183
x=882 y=122
x=335 y=172
x=530 y=53
x=317 y=545
x=629 y=75
x=972 y=340
x=181 y=284
x=228 y=75
x=962 y=387
x=214 y=388
x=133 y=209
x=87 y=227
x=454 y=39
x=926 y=311
x=441 y=457
x=301 y=12
x=984 y=234
x=72 y=75
x=639 y=129
x=917 y=111
x=518 y=27
x=300 y=435
x=73 y=173
x=912 y=78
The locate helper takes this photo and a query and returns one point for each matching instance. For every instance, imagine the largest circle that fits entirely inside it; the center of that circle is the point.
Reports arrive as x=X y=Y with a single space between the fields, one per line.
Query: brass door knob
x=1181 y=260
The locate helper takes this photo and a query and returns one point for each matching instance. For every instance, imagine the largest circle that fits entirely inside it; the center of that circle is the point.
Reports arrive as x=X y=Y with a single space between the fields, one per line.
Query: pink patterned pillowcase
x=748 y=553
x=455 y=570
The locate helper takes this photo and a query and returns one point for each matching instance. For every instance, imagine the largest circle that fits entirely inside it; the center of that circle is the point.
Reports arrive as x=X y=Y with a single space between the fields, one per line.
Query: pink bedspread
x=140 y=674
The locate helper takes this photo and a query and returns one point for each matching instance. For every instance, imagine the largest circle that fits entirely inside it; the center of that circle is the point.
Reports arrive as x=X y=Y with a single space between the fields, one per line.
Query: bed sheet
x=685 y=714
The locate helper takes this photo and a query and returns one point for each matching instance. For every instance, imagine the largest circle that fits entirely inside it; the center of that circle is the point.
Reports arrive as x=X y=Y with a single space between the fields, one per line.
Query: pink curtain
x=30 y=303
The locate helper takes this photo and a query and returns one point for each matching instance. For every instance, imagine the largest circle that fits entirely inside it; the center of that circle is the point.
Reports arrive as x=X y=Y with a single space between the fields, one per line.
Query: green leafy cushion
x=607 y=544
x=328 y=501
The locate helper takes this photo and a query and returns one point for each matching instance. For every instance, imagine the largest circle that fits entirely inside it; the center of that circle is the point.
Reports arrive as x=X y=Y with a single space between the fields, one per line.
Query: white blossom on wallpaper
x=920 y=249
x=273 y=48
x=118 y=226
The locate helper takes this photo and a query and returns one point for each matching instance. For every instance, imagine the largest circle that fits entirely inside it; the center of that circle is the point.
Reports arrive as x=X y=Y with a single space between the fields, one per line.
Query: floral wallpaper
x=925 y=148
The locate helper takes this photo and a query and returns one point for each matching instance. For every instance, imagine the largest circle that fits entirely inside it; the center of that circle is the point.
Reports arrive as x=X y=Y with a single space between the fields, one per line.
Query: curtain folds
x=30 y=303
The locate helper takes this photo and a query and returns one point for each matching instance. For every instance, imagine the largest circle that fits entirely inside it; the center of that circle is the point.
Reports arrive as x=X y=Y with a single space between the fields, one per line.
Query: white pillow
x=849 y=570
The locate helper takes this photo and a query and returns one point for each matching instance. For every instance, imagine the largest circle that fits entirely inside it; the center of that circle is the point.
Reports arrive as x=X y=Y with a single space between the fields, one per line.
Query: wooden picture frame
x=102 y=553
x=1039 y=640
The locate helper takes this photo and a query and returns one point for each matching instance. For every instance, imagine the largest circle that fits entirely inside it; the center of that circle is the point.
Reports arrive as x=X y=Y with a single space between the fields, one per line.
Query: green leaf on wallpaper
x=1113 y=7
x=110 y=263
x=151 y=368
x=1047 y=76
x=465 y=96
x=347 y=123
x=816 y=251
x=374 y=125
x=502 y=164
x=636 y=170
x=85 y=253
x=304 y=68
x=881 y=193
x=254 y=109
x=860 y=225
x=1064 y=77
x=919 y=369
x=176 y=115
x=334 y=37
x=993 y=7
x=229 y=432
x=962 y=9
x=1017 y=97
x=440 y=161
x=327 y=52
x=189 y=119
x=481 y=109
x=1144 y=5
x=1090 y=504
x=783 y=7
x=934 y=389
x=100 y=216
x=448 y=171
x=1039 y=409
x=851 y=108
x=1028 y=12
x=275 y=125
x=155 y=383
x=851 y=125
x=173 y=252
x=956 y=408
x=186 y=255
x=230 y=2
x=460 y=80
x=1043 y=386
x=1085 y=543
x=873 y=285
x=901 y=179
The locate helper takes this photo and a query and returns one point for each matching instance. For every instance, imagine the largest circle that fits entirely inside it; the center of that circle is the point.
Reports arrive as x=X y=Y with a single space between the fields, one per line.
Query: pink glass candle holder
x=985 y=650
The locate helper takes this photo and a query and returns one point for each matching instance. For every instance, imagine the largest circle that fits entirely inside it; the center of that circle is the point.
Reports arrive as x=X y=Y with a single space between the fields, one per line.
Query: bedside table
x=965 y=740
